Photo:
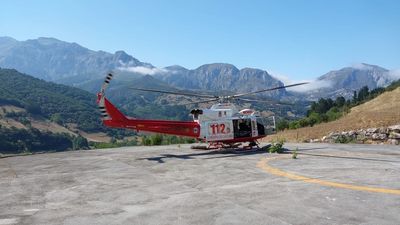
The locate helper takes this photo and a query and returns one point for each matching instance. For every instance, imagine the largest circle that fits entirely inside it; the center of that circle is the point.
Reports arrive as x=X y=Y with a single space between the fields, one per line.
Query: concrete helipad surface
x=327 y=184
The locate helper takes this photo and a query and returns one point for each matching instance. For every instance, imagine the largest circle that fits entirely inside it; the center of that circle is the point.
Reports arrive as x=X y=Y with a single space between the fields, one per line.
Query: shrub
x=294 y=125
x=277 y=147
x=343 y=139
x=294 y=154
x=156 y=139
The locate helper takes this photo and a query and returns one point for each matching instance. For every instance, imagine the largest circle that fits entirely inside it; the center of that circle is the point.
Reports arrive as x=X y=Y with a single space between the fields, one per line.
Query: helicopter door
x=242 y=128
x=219 y=130
x=254 y=130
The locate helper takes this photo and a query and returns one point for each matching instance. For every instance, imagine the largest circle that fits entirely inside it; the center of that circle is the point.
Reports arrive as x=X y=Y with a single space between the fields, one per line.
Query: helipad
x=177 y=185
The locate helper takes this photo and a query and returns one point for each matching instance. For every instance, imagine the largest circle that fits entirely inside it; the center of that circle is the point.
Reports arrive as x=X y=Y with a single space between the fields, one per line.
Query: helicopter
x=221 y=126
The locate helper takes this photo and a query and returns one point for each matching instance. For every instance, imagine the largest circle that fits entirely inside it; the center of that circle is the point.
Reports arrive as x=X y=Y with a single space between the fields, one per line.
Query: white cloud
x=285 y=79
x=144 y=70
x=312 y=85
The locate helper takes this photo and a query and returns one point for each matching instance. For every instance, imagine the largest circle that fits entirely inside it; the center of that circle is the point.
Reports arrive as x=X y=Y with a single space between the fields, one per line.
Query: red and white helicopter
x=221 y=126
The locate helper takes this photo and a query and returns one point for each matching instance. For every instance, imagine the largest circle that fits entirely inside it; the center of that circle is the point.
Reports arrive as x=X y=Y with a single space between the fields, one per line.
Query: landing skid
x=252 y=146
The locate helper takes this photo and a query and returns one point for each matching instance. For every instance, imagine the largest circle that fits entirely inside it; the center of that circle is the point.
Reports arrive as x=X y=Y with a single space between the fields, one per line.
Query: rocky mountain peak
x=348 y=79
x=6 y=39
x=47 y=41
x=176 y=68
x=217 y=68
x=64 y=62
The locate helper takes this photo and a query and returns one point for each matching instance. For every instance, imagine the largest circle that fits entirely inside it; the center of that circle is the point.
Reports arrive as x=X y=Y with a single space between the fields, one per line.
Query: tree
x=33 y=108
x=363 y=94
x=340 y=101
x=56 y=118
x=314 y=118
x=355 y=97
x=333 y=114
x=323 y=105
x=294 y=125
x=282 y=124
x=79 y=142
x=304 y=122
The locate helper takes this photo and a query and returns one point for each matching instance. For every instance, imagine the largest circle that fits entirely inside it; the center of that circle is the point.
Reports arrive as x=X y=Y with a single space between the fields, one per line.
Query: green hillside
x=36 y=115
x=60 y=103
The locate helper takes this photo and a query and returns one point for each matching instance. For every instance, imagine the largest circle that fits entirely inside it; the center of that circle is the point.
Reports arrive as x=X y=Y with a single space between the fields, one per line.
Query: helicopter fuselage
x=224 y=123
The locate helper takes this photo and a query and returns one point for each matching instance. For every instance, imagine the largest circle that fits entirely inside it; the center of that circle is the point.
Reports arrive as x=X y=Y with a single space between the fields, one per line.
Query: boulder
x=372 y=130
x=394 y=135
x=361 y=137
x=361 y=132
x=393 y=141
x=395 y=128
x=333 y=134
x=378 y=136
x=315 y=140
x=383 y=130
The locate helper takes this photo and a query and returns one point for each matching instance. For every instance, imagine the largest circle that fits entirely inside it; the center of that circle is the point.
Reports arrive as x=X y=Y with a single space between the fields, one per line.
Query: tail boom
x=112 y=117
x=180 y=128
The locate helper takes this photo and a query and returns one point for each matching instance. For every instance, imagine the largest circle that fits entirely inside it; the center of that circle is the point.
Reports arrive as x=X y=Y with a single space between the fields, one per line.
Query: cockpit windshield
x=268 y=123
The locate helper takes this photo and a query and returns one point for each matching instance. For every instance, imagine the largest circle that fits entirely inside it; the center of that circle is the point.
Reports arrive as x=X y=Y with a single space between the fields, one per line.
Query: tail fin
x=112 y=117
x=107 y=109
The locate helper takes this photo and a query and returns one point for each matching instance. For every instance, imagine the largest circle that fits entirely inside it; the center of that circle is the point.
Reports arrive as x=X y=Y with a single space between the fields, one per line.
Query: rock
x=315 y=140
x=372 y=130
x=383 y=130
x=394 y=135
x=378 y=136
x=395 y=128
x=333 y=134
x=393 y=141
x=361 y=132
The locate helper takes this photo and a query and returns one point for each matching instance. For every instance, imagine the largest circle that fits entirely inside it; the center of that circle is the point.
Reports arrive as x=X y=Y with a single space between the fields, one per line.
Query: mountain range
x=345 y=81
x=71 y=64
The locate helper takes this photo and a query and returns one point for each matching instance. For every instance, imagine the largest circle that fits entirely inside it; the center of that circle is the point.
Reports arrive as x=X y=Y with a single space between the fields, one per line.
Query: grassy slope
x=381 y=111
x=44 y=124
x=76 y=107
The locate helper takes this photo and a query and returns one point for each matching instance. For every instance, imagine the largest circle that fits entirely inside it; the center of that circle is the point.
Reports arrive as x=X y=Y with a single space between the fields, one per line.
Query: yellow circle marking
x=263 y=164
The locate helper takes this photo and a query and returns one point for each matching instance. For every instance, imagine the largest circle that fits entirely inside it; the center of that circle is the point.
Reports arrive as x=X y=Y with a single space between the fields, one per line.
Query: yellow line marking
x=263 y=164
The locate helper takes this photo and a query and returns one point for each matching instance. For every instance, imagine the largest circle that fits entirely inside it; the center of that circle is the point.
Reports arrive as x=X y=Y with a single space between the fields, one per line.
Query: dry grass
x=10 y=108
x=8 y=123
x=379 y=112
x=96 y=137
x=46 y=125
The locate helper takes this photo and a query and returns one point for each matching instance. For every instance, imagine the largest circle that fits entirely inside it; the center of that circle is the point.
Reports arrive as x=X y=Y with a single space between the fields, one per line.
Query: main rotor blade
x=269 y=89
x=174 y=93
x=205 y=101
x=271 y=102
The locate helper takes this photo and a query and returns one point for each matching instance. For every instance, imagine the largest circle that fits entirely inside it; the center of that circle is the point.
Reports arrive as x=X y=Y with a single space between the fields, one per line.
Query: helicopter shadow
x=213 y=154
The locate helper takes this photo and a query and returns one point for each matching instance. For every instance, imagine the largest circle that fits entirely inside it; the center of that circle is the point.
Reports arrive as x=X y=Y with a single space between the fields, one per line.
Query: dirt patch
x=10 y=108
x=96 y=137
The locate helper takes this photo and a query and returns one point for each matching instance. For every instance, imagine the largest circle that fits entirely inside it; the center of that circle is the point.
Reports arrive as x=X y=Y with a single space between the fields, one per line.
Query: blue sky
x=298 y=39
